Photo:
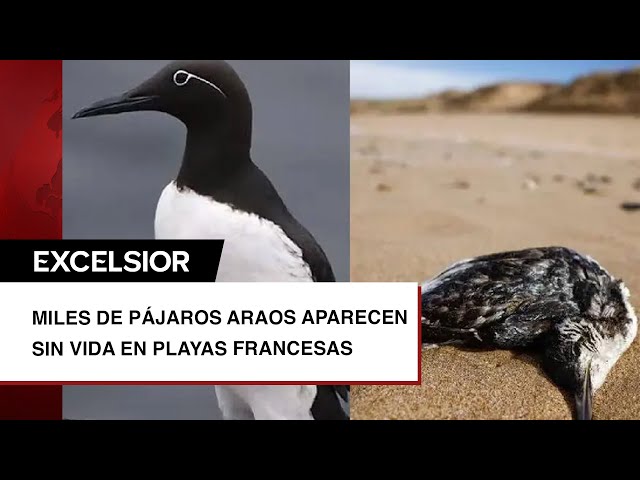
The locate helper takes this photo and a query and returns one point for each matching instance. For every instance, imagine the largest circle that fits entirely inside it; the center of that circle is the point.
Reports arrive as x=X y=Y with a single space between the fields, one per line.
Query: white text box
x=379 y=343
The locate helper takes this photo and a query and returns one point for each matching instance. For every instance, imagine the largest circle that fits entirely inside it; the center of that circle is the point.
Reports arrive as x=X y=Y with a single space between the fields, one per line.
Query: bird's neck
x=210 y=159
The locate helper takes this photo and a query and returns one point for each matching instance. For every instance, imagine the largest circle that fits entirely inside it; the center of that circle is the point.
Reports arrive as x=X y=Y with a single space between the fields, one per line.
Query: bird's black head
x=206 y=95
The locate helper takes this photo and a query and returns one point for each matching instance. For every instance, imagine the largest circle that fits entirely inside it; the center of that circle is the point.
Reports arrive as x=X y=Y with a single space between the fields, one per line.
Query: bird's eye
x=180 y=78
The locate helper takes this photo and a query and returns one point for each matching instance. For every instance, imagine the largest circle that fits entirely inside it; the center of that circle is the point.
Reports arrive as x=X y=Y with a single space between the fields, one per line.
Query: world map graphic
x=31 y=182
x=30 y=190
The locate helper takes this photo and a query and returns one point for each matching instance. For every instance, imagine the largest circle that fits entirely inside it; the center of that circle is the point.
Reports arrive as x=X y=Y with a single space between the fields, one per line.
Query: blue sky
x=411 y=78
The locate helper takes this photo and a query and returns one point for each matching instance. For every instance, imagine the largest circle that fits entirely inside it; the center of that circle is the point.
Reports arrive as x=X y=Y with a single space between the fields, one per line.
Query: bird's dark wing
x=312 y=254
x=331 y=403
x=512 y=296
x=342 y=391
x=250 y=190
x=505 y=326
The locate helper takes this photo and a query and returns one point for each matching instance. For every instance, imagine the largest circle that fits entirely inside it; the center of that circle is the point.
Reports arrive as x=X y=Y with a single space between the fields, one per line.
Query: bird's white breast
x=255 y=249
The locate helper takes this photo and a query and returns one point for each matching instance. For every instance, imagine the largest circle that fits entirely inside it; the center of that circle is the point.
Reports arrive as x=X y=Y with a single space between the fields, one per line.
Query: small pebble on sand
x=383 y=187
x=531 y=183
x=461 y=184
x=587 y=186
x=592 y=177
x=630 y=206
x=376 y=169
x=370 y=149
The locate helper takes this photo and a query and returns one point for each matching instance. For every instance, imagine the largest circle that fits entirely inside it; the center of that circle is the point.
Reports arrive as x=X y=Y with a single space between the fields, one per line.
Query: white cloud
x=389 y=79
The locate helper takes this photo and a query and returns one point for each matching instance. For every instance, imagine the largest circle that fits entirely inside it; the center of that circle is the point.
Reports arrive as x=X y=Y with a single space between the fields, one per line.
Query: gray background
x=115 y=168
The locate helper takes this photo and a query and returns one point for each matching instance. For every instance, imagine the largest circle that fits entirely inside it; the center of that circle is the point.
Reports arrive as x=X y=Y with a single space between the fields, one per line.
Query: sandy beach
x=430 y=189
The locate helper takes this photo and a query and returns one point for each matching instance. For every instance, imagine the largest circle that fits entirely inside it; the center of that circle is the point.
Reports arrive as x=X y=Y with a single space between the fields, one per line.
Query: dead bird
x=552 y=300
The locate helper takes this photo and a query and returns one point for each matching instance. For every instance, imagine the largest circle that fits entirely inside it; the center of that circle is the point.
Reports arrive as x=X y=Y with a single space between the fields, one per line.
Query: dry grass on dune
x=615 y=92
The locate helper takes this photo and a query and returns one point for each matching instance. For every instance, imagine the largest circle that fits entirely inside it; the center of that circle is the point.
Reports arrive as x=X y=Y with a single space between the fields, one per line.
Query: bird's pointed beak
x=584 y=397
x=128 y=102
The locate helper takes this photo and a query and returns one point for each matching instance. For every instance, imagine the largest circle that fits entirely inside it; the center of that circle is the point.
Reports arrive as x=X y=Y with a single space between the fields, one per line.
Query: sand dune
x=428 y=190
x=598 y=93
x=615 y=93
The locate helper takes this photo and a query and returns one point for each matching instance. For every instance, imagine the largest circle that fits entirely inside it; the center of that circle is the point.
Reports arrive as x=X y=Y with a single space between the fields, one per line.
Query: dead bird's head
x=581 y=351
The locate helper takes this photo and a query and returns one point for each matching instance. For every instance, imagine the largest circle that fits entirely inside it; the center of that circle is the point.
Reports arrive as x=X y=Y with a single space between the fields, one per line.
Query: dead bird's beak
x=584 y=397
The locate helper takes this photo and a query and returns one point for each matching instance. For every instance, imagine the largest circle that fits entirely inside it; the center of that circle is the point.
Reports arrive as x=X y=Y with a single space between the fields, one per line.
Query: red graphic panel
x=30 y=188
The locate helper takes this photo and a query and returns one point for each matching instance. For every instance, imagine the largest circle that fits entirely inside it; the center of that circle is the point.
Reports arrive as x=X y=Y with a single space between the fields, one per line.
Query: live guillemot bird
x=553 y=300
x=219 y=193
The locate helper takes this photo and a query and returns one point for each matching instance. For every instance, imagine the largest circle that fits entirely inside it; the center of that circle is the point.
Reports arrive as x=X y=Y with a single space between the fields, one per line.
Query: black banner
x=110 y=260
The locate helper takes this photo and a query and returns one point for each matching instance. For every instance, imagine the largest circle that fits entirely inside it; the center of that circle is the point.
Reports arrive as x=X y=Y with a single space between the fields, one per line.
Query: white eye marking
x=186 y=76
